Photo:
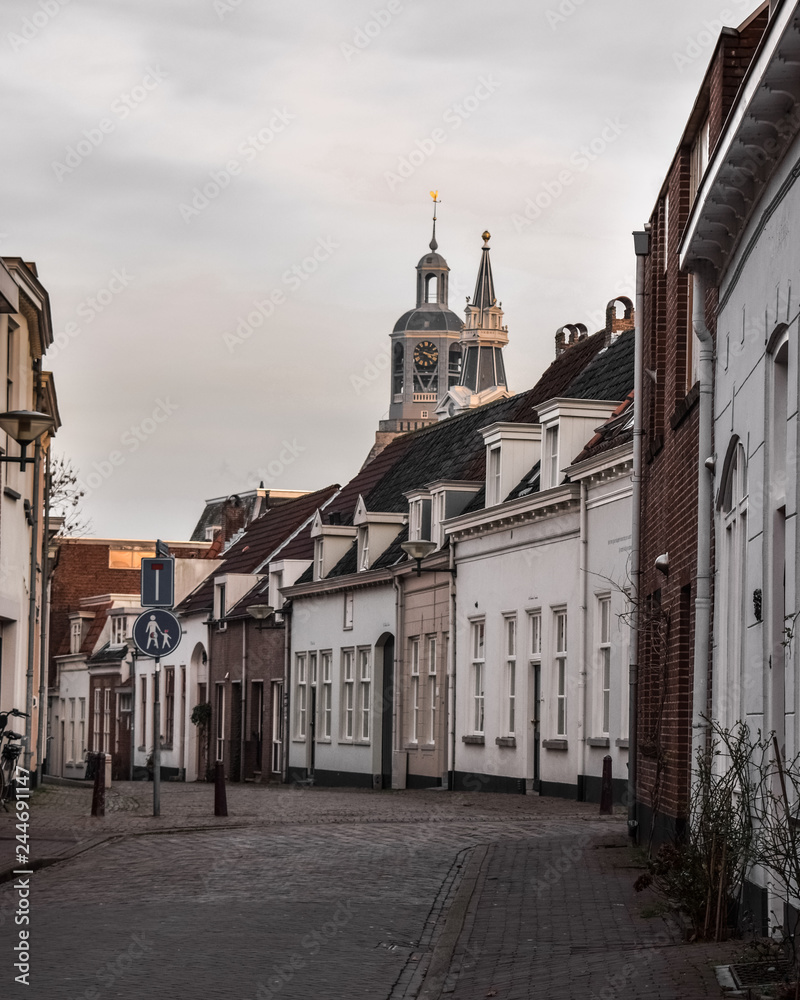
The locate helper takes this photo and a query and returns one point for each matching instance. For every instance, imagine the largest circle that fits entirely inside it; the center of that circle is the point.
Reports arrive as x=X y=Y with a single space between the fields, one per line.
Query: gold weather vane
x=435 y=195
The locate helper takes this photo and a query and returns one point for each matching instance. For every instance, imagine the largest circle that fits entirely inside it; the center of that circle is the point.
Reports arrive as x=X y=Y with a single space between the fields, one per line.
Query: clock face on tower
x=426 y=354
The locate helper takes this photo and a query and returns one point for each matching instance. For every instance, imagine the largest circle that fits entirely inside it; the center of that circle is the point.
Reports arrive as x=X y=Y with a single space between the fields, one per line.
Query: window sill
x=477 y=740
x=298 y=739
x=506 y=741
x=555 y=744
x=624 y=744
x=598 y=741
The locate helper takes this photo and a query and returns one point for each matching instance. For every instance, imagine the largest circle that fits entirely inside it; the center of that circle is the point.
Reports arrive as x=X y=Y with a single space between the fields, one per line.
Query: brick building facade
x=669 y=509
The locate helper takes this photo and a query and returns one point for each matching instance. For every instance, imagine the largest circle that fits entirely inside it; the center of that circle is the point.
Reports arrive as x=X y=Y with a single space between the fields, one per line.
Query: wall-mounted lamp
x=260 y=612
x=711 y=464
x=662 y=563
x=25 y=426
x=418 y=550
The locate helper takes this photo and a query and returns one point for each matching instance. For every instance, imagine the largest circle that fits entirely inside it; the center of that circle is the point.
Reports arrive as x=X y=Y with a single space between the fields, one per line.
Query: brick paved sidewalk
x=557 y=917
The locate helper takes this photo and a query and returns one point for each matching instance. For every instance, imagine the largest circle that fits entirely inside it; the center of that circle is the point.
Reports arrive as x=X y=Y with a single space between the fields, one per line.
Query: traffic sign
x=158 y=582
x=156 y=632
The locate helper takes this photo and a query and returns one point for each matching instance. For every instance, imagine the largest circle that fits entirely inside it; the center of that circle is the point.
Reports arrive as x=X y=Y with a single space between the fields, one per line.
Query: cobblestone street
x=320 y=893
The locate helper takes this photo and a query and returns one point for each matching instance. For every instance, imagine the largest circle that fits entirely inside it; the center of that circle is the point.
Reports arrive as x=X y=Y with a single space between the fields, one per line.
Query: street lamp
x=418 y=550
x=260 y=612
x=25 y=427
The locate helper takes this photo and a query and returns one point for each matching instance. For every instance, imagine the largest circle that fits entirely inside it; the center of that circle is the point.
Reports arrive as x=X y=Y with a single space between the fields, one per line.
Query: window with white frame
x=348 y=610
x=107 y=720
x=318 y=559
x=300 y=695
x=82 y=722
x=348 y=695
x=96 y=722
x=604 y=661
x=363 y=548
x=437 y=531
x=413 y=660
x=560 y=679
x=431 y=651
x=364 y=701
x=493 y=478
x=72 y=729
x=510 y=628
x=535 y=632
x=119 y=629
x=478 y=650
x=75 y=635
x=415 y=520
x=551 y=456
x=326 y=699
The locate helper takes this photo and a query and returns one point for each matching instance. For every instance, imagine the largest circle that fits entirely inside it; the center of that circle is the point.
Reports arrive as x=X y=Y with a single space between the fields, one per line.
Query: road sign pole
x=157 y=741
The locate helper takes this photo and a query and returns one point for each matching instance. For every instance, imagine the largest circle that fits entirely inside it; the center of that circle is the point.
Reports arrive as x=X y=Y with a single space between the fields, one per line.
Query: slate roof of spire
x=484 y=296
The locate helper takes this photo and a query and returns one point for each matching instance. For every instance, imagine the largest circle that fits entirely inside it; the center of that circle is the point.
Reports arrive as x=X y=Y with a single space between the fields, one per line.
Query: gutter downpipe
x=641 y=244
x=451 y=672
x=702 y=603
x=286 y=611
x=583 y=559
x=44 y=635
x=399 y=646
x=243 y=703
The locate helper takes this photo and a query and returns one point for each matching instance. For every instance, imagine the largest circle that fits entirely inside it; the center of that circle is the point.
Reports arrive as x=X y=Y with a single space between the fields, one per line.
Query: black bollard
x=606 y=795
x=220 y=801
x=99 y=792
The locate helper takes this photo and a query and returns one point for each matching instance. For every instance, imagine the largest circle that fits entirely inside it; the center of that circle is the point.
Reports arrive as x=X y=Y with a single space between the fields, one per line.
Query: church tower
x=425 y=347
x=483 y=337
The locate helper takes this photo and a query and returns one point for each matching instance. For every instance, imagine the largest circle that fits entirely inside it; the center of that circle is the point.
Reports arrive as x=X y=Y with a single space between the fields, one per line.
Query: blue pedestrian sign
x=158 y=582
x=156 y=632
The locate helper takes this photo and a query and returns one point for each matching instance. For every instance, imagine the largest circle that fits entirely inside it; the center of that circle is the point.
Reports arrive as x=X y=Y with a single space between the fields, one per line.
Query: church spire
x=484 y=297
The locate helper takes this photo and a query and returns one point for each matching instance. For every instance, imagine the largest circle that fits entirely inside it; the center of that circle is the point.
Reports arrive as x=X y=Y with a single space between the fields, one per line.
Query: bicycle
x=9 y=755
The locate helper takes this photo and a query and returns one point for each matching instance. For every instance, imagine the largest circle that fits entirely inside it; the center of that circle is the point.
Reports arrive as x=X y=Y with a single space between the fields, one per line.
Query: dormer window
x=219 y=601
x=493 y=481
x=75 y=635
x=419 y=516
x=119 y=629
x=363 y=548
x=318 y=559
x=551 y=455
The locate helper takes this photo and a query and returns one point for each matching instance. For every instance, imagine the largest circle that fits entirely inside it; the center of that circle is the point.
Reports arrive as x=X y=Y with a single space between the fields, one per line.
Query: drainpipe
x=702 y=602
x=641 y=245
x=44 y=635
x=451 y=673
x=286 y=611
x=584 y=576
x=243 y=703
x=399 y=616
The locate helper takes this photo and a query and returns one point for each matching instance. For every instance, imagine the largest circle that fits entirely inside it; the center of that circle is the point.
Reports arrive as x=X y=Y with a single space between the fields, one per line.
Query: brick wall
x=669 y=488
x=265 y=660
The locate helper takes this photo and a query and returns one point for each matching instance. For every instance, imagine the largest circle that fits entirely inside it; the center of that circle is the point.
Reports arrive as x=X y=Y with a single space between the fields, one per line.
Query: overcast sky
x=171 y=164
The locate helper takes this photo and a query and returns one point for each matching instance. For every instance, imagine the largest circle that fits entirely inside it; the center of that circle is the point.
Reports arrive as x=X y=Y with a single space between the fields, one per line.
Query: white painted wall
x=317 y=625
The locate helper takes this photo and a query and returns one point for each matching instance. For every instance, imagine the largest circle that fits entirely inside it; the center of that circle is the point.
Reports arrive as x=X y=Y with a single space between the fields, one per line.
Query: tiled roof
x=454 y=448
x=610 y=374
x=260 y=539
x=93 y=632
